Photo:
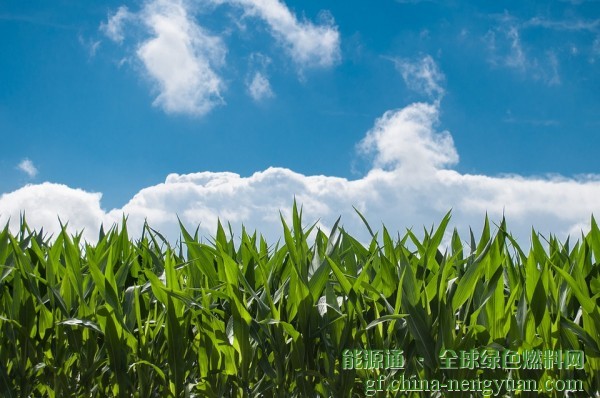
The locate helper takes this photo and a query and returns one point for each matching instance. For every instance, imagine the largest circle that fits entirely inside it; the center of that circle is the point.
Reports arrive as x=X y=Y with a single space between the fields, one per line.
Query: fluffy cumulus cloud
x=411 y=184
x=43 y=205
x=180 y=58
x=27 y=167
x=405 y=140
x=184 y=61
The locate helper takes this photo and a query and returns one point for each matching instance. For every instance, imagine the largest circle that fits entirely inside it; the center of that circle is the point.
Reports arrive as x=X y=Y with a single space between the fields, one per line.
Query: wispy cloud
x=595 y=52
x=90 y=45
x=553 y=76
x=504 y=45
x=516 y=56
x=28 y=168
x=259 y=87
x=578 y=2
x=571 y=24
x=422 y=75
x=308 y=44
x=506 y=49
x=114 y=27
x=510 y=118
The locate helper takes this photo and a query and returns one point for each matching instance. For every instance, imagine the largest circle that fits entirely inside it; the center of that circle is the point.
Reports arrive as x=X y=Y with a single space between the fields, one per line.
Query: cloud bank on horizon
x=411 y=182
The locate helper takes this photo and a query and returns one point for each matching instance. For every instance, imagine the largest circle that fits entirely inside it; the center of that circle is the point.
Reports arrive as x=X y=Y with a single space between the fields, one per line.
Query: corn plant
x=235 y=316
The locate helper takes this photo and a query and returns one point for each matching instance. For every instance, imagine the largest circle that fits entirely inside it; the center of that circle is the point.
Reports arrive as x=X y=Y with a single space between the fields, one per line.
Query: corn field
x=235 y=316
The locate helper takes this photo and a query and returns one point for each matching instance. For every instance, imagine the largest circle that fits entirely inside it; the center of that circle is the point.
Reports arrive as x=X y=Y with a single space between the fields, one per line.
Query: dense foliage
x=235 y=317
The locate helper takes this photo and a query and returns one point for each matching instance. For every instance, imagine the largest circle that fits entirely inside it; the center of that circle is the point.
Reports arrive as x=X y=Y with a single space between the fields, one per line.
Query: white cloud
x=259 y=87
x=416 y=188
x=114 y=26
x=579 y=2
x=506 y=49
x=405 y=140
x=553 y=77
x=178 y=56
x=504 y=43
x=28 y=168
x=423 y=76
x=43 y=204
x=510 y=118
x=516 y=56
x=572 y=24
x=308 y=44
x=595 y=50
x=90 y=45
x=180 y=59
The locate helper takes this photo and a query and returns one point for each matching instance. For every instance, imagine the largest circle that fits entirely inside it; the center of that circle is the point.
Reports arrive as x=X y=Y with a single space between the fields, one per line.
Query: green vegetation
x=239 y=318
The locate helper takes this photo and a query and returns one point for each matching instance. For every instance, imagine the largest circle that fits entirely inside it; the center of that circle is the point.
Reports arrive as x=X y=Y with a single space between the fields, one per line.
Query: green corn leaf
x=176 y=344
x=586 y=302
x=466 y=284
x=385 y=318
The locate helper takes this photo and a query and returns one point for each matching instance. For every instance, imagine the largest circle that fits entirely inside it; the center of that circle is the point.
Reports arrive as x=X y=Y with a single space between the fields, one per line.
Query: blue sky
x=112 y=98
